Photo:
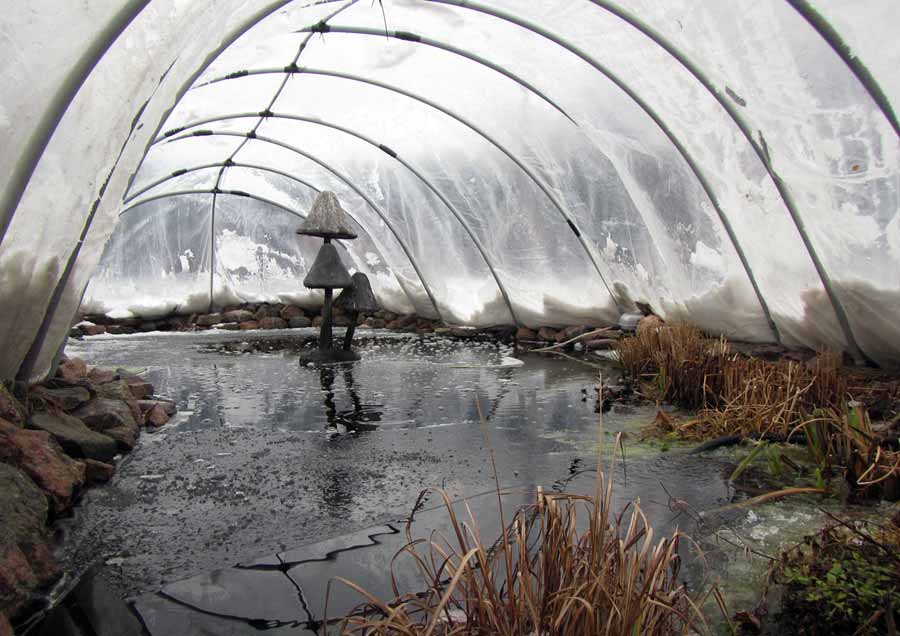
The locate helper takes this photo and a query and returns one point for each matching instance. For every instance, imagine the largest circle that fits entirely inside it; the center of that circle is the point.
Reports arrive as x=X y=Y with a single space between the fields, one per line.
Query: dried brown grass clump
x=783 y=401
x=730 y=392
x=566 y=565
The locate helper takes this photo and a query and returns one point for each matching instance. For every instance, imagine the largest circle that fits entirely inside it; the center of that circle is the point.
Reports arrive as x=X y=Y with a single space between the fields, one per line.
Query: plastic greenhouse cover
x=732 y=164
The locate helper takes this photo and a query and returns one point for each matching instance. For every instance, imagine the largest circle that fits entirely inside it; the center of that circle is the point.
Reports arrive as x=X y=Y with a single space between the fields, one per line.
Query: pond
x=267 y=457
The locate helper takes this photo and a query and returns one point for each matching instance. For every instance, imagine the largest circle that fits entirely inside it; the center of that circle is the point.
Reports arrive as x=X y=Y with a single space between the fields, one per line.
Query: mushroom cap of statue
x=327 y=272
x=359 y=296
x=327 y=219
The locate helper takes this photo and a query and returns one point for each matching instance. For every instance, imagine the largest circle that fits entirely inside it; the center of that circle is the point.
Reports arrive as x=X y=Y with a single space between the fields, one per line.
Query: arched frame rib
x=46 y=126
x=349 y=182
x=226 y=41
x=738 y=119
x=237 y=193
x=456 y=214
x=271 y=104
x=321 y=27
x=218 y=164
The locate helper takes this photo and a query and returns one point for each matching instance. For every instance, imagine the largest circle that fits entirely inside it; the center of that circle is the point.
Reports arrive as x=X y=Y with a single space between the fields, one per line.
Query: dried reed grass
x=784 y=400
x=565 y=565
x=731 y=393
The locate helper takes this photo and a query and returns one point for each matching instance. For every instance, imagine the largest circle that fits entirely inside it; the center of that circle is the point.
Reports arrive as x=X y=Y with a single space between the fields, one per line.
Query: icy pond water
x=268 y=459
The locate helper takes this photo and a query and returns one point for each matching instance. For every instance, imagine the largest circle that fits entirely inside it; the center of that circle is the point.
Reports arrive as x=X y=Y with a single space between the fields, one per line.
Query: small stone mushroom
x=355 y=299
x=328 y=273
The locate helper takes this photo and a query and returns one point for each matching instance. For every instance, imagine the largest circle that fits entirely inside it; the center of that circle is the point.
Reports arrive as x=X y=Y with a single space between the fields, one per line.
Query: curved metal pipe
x=349 y=184
x=437 y=44
x=828 y=33
x=214 y=191
x=475 y=240
x=453 y=115
x=218 y=164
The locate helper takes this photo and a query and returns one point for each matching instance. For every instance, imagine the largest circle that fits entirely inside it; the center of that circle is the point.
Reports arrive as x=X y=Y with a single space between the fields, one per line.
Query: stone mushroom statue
x=356 y=299
x=328 y=221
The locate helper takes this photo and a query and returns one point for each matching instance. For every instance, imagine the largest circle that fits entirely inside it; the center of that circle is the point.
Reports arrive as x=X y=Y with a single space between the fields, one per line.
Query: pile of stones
x=56 y=439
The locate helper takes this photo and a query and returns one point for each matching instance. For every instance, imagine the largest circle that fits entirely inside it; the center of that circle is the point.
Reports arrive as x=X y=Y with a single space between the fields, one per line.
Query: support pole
x=325 y=332
x=348 y=337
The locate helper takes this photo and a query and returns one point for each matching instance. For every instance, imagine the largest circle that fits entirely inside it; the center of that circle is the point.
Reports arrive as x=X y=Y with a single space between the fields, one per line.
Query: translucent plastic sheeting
x=679 y=120
x=258 y=258
x=827 y=140
x=630 y=195
x=39 y=77
x=173 y=237
x=77 y=186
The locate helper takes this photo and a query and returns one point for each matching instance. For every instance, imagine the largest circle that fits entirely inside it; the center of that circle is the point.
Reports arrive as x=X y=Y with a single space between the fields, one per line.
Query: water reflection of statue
x=338 y=481
x=356 y=419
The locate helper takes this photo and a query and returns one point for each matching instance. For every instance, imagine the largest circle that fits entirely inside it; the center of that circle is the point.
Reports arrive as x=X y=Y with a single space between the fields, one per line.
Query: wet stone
x=100 y=375
x=208 y=320
x=299 y=322
x=227 y=326
x=123 y=391
x=10 y=408
x=546 y=334
x=25 y=561
x=290 y=312
x=73 y=370
x=74 y=436
x=40 y=457
x=98 y=472
x=237 y=315
x=249 y=325
x=139 y=387
x=574 y=332
x=156 y=416
x=110 y=417
x=168 y=406
x=267 y=311
x=600 y=344
x=272 y=323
